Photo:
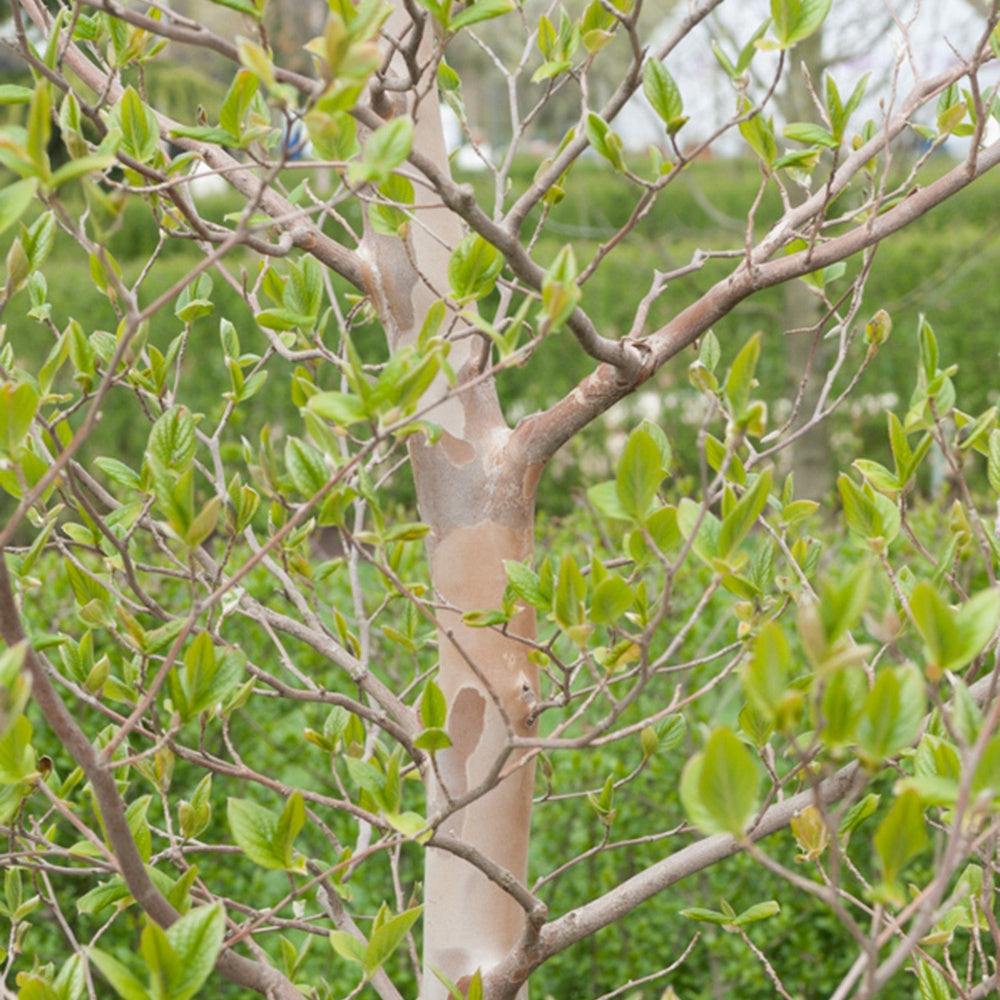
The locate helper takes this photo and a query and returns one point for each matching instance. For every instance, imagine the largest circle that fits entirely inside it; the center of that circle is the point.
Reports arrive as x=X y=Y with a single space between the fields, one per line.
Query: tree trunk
x=476 y=491
x=811 y=453
x=491 y=687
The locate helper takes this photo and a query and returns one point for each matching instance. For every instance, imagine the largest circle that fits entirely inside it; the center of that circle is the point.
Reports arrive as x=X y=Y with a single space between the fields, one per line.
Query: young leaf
x=480 y=10
x=387 y=147
x=605 y=141
x=387 y=937
x=725 y=783
x=663 y=94
x=139 y=126
x=740 y=380
x=15 y=199
x=893 y=713
x=738 y=522
x=639 y=474
x=290 y=823
x=123 y=981
x=901 y=835
x=349 y=947
x=433 y=707
x=765 y=678
x=255 y=829
x=196 y=939
x=473 y=269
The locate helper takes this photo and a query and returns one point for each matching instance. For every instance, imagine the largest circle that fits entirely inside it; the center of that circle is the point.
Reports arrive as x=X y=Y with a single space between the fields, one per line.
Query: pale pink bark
x=477 y=495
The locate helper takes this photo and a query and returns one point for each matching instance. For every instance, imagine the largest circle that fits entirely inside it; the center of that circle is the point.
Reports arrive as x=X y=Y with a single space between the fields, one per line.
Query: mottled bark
x=477 y=495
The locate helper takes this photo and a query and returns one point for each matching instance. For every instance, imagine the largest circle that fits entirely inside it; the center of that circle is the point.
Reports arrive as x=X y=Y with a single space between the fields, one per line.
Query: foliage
x=250 y=699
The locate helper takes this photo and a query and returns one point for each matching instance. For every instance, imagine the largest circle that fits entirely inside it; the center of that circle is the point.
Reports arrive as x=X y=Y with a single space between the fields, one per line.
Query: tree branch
x=542 y=434
x=237 y=969
x=303 y=233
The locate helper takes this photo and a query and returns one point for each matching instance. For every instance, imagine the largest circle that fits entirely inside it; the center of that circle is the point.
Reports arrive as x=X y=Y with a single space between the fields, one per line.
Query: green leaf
x=612 y=598
x=253 y=8
x=480 y=10
x=603 y=497
x=15 y=199
x=901 y=835
x=759 y=911
x=720 y=792
x=337 y=407
x=387 y=147
x=284 y=319
x=795 y=20
x=976 y=621
x=765 y=678
x=473 y=269
x=124 y=982
x=639 y=474
x=172 y=439
x=893 y=714
x=18 y=406
x=195 y=300
x=138 y=825
x=255 y=830
x=39 y=129
x=390 y=219
x=809 y=133
x=937 y=625
x=254 y=57
x=526 y=583
x=738 y=522
x=306 y=466
x=349 y=947
x=237 y=102
x=17 y=758
x=103 y=895
x=871 y=517
x=432 y=740
x=433 y=707
x=196 y=939
x=386 y=937
x=560 y=292
x=932 y=985
x=993 y=460
x=194 y=816
x=604 y=140
x=570 y=594
x=11 y=93
x=740 y=380
x=161 y=959
x=759 y=134
x=139 y=126
x=663 y=94
x=841 y=606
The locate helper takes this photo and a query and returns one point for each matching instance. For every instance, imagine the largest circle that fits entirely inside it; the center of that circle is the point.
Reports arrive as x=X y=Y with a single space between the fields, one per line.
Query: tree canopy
x=293 y=654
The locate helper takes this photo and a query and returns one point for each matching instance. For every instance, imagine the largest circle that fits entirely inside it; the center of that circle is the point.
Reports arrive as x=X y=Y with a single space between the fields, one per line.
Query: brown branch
x=237 y=969
x=303 y=233
x=542 y=434
x=575 y=148
x=620 y=901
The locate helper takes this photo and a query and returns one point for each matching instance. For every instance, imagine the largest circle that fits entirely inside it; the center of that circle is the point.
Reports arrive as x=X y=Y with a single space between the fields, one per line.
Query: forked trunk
x=476 y=492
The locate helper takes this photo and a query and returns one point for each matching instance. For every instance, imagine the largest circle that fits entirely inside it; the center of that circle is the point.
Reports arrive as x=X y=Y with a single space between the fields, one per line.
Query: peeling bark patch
x=466 y=723
x=459 y=452
x=531 y=477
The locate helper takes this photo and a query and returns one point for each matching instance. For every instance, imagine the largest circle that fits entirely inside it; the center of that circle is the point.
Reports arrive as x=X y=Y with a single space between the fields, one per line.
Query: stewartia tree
x=254 y=698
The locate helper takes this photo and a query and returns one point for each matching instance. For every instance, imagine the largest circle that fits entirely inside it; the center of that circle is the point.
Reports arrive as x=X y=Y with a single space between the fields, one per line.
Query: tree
x=199 y=598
